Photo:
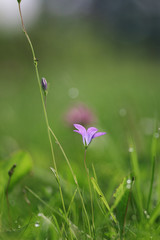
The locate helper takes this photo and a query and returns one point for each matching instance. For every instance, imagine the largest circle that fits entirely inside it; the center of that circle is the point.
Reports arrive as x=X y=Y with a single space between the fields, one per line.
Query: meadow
x=118 y=198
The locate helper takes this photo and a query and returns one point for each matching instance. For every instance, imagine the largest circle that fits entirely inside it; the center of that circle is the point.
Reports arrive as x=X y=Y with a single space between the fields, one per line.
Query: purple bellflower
x=87 y=135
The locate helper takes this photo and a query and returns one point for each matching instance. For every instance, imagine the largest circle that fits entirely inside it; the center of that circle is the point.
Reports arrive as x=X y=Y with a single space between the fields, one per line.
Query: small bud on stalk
x=11 y=171
x=44 y=85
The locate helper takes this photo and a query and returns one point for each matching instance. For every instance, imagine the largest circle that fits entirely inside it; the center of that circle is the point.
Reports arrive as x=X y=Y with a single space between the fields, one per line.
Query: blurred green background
x=112 y=67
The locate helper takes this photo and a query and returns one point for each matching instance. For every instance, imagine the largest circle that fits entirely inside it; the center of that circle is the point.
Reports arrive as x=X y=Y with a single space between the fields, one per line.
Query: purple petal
x=81 y=130
x=98 y=134
x=76 y=131
x=44 y=84
x=90 y=133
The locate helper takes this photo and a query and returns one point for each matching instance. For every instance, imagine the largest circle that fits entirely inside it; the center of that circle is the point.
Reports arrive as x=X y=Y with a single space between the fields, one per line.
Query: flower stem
x=90 y=191
x=45 y=101
x=50 y=131
x=43 y=104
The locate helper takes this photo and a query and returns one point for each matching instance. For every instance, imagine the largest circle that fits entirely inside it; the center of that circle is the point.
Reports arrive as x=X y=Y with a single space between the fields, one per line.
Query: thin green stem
x=90 y=191
x=10 y=173
x=43 y=104
x=68 y=211
x=136 y=171
x=49 y=130
x=74 y=177
x=129 y=197
x=8 y=205
x=45 y=101
x=151 y=185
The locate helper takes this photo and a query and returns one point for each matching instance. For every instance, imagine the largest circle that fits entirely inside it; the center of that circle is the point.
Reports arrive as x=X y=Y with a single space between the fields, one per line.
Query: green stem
x=43 y=104
x=136 y=171
x=90 y=191
x=129 y=197
x=49 y=130
x=10 y=173
x=151 y=185
x=45 y=101
x=8 y=205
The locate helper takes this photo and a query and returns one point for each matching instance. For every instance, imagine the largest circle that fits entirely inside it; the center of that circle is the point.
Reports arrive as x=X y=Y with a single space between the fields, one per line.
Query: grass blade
x=153 y=158
x=136 y=173
x=122 y=197
x=98 y=190
x=154 y=214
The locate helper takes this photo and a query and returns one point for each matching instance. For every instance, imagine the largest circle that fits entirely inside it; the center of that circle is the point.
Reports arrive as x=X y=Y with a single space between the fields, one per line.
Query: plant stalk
x=43 y=104
x=90 y=191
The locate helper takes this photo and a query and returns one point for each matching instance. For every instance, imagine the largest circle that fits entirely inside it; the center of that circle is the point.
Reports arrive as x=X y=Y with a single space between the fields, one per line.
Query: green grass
x=108 y=79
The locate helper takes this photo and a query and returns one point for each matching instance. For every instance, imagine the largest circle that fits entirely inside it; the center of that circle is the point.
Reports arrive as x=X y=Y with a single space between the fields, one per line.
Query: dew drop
x=128 y=186
x=131 y=149
x=129 y=181
x=36 y=224
x=40 y=214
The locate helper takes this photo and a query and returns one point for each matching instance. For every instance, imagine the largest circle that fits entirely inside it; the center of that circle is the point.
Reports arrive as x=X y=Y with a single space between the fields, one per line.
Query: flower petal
x=90 y=132
x=81 y=130
x=98 y=134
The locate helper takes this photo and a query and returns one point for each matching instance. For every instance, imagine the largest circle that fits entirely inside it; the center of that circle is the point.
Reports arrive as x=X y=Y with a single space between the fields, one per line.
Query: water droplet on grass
x=128 y=186
x=147 y=215
x=131 y=149
x=129 y=181
x=37 y=224
x=40 y=214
